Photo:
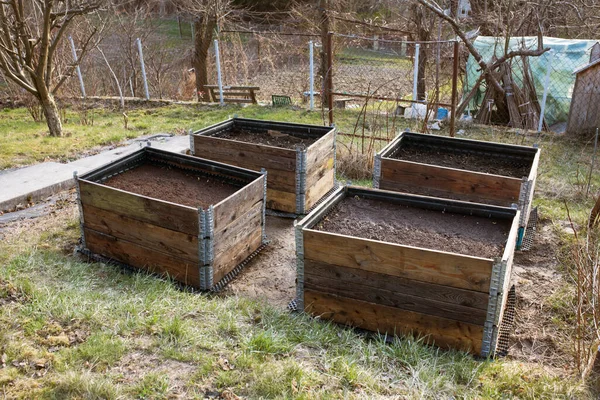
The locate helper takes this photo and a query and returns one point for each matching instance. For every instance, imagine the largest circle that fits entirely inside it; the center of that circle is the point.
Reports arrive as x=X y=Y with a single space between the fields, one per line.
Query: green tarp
x=567 y=55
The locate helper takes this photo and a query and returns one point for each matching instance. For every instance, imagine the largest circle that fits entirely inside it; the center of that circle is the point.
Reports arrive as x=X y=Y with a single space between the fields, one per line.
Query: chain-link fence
x=276 y=63
x=385 y=67
x=560 y=85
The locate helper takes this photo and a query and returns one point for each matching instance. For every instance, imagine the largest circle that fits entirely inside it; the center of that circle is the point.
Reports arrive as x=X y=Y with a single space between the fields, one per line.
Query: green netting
x=568 y=55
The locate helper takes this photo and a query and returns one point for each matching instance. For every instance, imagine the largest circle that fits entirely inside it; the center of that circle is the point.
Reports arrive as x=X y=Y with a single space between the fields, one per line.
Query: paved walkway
x=37 y=182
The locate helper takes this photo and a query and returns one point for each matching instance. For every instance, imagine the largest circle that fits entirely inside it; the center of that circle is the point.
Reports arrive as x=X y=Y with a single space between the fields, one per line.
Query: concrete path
x=31 y=184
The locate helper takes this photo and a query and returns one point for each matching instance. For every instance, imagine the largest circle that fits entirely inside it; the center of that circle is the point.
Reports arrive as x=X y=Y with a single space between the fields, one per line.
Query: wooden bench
x=234 y=94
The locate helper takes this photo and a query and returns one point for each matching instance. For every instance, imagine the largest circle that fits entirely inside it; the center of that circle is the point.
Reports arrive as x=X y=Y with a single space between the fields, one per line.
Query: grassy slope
x=74 y=329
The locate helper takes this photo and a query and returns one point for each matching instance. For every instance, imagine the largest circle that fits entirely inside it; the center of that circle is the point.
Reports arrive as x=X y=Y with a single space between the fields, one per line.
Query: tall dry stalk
x=584 y=270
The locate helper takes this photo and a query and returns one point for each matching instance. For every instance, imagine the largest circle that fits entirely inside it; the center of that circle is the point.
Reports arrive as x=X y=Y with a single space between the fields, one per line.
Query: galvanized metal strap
x=376 y=171
x=299 y=265
x=80 y=207
x=264 y=207
x=300 y=180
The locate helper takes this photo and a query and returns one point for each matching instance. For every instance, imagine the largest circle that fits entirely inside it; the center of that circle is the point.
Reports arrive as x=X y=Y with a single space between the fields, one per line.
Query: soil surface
x=270 y=138
x=174 y=185
x=395 y=223
x=271 y=275
x=465 y=161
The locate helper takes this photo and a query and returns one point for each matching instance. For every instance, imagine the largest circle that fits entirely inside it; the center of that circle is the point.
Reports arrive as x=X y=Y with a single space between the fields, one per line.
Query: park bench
x=234 y=94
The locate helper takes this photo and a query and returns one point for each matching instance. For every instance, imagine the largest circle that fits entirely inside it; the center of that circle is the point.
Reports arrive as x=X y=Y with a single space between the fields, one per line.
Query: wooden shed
x=584 y=114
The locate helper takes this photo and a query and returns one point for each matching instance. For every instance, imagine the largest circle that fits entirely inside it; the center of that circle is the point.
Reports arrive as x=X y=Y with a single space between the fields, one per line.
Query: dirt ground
x=174 y=185
x=471 y=162
x=395 y=223
x=270 y=277
x=270 y=138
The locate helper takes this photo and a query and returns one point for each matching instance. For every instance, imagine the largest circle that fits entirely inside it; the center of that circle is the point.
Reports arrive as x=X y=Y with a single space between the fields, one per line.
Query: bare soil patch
x=270 y=276
x=466 y=161
x=395 y=223
x=270 y=138
x=174 y=185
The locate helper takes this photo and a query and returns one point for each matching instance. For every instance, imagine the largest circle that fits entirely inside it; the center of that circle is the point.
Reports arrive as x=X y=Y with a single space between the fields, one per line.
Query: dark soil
x=466 y=161
x=270 y=138
x=395 y=223
x=174 y=185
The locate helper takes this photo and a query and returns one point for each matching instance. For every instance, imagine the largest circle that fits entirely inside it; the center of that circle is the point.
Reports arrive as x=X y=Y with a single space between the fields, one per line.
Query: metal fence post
x=454 y=89
x=219 y=80
x=146 y=92
x=311 y=75
x=546 y=86
x=416 y=71
x=76 y=61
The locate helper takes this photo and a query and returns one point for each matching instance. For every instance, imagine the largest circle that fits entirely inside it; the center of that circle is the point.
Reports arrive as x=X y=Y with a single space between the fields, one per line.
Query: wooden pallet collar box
x=200 y=247
x=390 y=173
x=298 y=178
x=453 y=300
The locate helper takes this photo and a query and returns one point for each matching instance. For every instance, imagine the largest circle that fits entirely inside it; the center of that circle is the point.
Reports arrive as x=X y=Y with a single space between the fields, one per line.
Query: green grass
x=141 y=337
x=72 y=329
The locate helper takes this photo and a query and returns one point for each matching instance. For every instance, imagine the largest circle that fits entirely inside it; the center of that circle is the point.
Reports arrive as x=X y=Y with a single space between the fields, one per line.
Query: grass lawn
x=76 y=329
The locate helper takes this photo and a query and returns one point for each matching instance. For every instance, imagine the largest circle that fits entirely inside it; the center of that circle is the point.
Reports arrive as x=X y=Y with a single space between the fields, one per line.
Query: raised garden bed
x=300 y=158
x=193 y=220
x=399 y=263
x=461 y=169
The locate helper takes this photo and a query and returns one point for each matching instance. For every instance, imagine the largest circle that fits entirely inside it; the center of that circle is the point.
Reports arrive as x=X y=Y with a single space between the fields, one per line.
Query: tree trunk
x=52 y=115
x=325 y=22
x=203 y=33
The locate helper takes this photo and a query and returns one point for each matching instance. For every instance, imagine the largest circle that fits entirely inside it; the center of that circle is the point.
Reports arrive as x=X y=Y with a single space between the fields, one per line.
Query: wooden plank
x=443 y=268
x=251 y=154
x=315 y=271
x=153 y=211
x=143 y=258
x=442 y=332
x=319 y=150
x=281 y=200
x=238 y=230
x=396 y=299
x=316 y=171
x=178 y=244
x=237 y=254
x=319 y=189
x=475 y=186
x=236 y=205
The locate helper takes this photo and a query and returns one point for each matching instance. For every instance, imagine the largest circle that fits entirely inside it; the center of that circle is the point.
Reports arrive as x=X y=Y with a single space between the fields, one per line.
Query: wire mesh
x=278 y=64
x=536 y=85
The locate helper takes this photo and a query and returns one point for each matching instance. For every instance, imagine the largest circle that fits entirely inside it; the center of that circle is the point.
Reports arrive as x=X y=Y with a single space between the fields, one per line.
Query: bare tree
x=207 y=16
x=487 y=68
x=30 y=34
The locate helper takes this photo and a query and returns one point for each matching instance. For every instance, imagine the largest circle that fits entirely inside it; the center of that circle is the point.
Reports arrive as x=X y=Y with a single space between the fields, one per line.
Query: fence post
x=311 y=73
x=454 y=89
x=219 y=80
x=146 y=92
x=76 y=61
x=330 y=76
x=416 y=71
x=546 y=86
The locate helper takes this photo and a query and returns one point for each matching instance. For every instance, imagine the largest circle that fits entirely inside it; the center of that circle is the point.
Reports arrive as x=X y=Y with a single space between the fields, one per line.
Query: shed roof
x=586 y=67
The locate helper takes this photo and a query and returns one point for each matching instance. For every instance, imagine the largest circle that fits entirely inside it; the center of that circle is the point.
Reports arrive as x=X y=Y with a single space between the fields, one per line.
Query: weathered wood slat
x=142 y=257
x=238 y=230
x=474 y=186
x=236 y=205
x=431 y=266
x=237 y=254
x=442 y=332
x=179 y=244
x=317 y=170
x=393 y=298
x=281 y=200
x=153 y=211
x=281 y=155
x=320 y=150
x=336 y=275
x=317 y=190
